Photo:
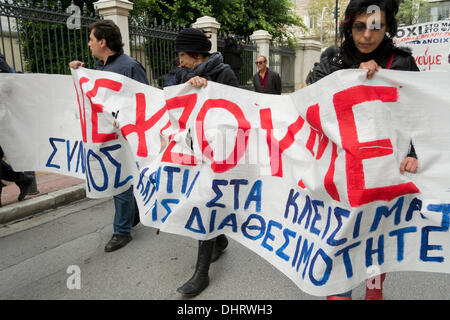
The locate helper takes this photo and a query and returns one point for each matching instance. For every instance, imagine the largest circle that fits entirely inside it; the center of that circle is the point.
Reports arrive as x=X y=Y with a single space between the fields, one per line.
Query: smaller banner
x=429 y=42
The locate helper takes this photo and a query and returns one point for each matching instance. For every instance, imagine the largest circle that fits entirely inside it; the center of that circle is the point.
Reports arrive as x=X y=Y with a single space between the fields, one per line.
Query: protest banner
x=309 y=181
x=429 y=42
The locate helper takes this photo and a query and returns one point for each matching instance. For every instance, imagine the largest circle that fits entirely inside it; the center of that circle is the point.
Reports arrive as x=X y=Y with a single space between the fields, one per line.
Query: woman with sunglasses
x=199 y=67
x=366 y=35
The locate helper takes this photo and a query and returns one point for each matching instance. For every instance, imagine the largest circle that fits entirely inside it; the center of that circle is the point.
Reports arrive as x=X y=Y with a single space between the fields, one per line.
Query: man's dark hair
x=108 y=30
x=357 y=7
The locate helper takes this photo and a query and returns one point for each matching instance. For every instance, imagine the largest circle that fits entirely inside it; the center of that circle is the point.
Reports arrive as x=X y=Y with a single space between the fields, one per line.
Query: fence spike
x=59 y=5
x=85 y=11
x=45 y=3
x=155 y=23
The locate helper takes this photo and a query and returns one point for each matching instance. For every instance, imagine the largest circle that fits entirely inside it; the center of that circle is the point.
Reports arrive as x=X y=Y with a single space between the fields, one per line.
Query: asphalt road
x=40 y=257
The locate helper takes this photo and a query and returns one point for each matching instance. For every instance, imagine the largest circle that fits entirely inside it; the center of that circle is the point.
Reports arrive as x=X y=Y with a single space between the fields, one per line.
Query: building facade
x=440 y=10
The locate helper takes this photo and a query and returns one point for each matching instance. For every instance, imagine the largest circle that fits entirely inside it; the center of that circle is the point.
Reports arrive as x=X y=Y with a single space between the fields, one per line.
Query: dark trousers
x=6 y=171
x=126 y=208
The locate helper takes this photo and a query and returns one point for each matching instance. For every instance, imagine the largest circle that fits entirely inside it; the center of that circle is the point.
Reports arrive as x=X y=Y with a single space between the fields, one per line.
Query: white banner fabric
x=309 y=181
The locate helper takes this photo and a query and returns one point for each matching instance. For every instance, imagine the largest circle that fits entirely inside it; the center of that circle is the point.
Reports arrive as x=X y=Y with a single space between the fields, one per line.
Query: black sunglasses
x=361 y=27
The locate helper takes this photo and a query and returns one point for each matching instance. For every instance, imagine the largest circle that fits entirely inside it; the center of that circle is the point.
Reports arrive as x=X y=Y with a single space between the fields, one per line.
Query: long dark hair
x=357 y=7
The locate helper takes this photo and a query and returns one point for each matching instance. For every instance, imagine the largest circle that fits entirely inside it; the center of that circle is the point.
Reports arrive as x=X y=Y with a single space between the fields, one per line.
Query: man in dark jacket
x=265 y=80
x=232 y=53
x=7 y=173
x=105 y=42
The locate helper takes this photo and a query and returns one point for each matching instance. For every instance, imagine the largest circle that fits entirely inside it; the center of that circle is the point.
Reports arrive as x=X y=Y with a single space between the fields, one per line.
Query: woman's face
x=367 y=32
x=186 y=61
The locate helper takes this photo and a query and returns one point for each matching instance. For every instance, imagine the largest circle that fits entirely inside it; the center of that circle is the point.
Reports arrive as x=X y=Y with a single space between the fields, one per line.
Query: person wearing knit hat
x=192 y=40
x=198 y=67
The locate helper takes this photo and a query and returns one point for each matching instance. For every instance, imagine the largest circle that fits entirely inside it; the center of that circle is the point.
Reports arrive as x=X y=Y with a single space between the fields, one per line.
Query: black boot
x=1 y=187
x=24 y=184
x=200 y=279
x=219 y=247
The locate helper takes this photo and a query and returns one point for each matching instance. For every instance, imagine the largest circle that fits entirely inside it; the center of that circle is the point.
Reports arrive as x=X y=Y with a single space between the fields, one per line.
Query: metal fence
x=35 y=38
x=153 y=46
x=282 y=61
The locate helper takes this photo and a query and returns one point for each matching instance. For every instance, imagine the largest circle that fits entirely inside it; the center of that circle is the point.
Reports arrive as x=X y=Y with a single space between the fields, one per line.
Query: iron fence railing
x=153 y=46
x=282 y=61
x=35 y=38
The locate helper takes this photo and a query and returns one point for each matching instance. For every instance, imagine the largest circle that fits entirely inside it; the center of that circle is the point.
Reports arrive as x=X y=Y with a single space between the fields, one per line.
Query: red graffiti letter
x=313 y=118
x=82 y=112
x=142 y=125
x=276 y=148
x=243 y=128
x=356 y=152
x=187 y=103
x=98 y=108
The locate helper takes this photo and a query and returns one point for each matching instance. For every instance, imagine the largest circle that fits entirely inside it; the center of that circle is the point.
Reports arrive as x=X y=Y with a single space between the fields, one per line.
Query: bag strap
x=389 y=64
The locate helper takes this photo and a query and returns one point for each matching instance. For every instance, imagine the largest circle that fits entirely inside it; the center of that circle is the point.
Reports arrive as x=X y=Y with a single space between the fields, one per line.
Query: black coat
x=212 y=69
x=232 y=53
x=125 y=65
x=273 y=85
x=334 y=59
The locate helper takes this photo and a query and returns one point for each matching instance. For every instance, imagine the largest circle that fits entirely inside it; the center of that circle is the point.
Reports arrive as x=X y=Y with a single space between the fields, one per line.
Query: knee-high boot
x=200 y=279
x=219 y=247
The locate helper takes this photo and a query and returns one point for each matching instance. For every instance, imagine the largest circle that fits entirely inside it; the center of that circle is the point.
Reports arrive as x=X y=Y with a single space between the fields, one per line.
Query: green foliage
x=241 y=17
x=413 y=12
x=44 y=51
x=329 y=26
x=155 y=9
x=49 y=47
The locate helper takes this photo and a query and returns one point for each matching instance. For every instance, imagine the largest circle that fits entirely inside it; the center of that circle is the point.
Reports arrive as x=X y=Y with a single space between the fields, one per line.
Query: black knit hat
x=192 y=40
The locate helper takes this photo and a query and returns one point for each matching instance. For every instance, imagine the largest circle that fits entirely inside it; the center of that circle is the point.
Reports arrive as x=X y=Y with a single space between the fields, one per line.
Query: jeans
x=125 y=209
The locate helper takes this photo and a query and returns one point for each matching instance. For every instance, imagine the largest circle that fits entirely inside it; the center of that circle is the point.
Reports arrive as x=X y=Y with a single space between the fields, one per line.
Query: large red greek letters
x=344 y=101
x=356 y=152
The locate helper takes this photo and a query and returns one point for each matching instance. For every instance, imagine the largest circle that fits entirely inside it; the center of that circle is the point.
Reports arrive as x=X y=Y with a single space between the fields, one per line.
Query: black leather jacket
x=334 y=59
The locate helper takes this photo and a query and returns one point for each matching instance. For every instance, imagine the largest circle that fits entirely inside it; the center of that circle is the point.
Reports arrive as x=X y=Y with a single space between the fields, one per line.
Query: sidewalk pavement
x=54 y=190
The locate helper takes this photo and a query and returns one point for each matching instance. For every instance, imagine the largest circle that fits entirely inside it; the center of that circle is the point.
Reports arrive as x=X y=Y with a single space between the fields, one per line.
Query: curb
x=43 y=202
